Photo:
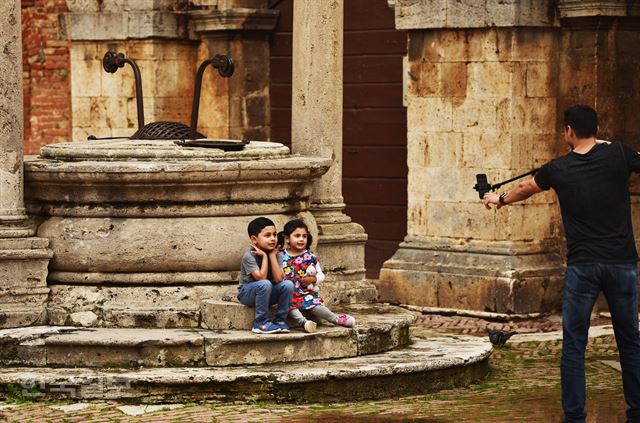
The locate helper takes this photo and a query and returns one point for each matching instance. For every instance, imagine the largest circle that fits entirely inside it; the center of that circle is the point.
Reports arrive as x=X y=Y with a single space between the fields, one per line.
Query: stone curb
x=425 y=366
x=594 y=332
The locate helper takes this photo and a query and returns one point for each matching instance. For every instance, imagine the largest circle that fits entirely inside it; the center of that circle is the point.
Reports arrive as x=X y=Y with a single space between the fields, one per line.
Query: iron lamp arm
x=111 y=62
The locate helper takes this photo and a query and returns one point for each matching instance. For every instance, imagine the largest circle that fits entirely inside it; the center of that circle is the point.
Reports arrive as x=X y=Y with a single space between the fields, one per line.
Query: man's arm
x=522 y=191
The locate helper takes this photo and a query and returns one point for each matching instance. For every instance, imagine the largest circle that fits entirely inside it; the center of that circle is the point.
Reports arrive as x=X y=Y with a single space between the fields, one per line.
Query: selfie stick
x=483 y=186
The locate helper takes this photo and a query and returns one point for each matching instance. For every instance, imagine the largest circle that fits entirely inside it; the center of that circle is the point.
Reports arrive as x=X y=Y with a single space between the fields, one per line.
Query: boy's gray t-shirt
x=250 y=263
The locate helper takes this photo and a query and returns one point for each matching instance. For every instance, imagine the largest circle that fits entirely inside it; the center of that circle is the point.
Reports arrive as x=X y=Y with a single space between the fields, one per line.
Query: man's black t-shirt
x=593 y=189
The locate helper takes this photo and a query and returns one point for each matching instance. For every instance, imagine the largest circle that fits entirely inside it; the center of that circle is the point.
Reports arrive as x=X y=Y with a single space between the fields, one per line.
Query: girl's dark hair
x=291 y=226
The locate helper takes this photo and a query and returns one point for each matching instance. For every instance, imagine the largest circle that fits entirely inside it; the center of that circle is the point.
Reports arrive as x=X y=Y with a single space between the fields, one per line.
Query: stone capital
x=592 y=8
x=237 y=19
x=424 y=14
x=599 y=14
x=123 y=25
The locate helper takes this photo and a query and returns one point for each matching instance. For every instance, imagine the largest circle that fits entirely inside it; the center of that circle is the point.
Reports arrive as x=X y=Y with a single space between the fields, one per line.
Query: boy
x=262 y=279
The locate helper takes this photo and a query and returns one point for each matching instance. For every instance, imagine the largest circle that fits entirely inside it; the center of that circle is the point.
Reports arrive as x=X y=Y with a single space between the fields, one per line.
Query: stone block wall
x=479 y=101
x=46 y=79
x=104 y=104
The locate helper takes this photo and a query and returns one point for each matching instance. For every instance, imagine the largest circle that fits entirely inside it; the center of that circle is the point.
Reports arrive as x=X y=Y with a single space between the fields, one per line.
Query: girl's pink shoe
x=346 y=320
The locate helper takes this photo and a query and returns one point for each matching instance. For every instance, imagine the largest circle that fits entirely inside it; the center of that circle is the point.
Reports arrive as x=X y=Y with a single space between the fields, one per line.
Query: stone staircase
x=222 y=359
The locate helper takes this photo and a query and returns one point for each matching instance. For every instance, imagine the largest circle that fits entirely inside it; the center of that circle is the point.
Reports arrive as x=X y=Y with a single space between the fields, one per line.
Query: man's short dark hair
x=582 y=119
x=258 y=224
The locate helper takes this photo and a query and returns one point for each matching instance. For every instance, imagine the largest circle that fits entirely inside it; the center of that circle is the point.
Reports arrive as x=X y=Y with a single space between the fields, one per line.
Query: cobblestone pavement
x=523 y=385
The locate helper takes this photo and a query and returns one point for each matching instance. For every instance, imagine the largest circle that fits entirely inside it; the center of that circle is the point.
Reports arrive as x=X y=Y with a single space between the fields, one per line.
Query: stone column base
x=341 y=245
x=500 y=277
x=23 y=281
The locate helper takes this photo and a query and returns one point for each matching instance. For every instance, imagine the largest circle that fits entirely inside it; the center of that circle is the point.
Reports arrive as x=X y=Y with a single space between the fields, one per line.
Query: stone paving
x=523 y=385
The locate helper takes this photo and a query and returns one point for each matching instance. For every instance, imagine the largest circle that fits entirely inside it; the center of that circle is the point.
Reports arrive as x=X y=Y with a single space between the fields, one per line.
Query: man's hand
x=491 y=198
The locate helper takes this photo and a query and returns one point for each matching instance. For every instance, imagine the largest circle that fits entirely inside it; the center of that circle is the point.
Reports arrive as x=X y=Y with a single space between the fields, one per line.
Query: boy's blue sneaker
x=265 y=327
x=282 y=326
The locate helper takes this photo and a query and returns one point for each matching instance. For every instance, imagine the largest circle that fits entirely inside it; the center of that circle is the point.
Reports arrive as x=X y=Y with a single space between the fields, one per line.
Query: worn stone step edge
x=106 y=347
x=225 y=315
x=425 y=366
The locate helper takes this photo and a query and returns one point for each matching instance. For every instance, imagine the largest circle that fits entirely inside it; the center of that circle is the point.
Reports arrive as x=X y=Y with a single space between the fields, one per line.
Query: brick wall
x=46 y=64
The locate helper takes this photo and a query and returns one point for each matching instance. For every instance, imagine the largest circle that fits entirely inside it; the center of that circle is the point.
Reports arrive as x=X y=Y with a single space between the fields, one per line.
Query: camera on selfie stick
x=483 y=186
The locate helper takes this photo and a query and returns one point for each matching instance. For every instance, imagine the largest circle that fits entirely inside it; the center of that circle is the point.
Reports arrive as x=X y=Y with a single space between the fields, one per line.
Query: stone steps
x=163 y=306
x=379 y=328
x=427 y=365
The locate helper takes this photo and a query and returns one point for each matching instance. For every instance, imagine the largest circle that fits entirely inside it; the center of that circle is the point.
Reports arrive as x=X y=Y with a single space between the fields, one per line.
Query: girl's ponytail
x=309 y=240
x=280 y=241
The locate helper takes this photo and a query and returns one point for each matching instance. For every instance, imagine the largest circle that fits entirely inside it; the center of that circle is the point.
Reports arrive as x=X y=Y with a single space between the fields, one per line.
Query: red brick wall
x=46 y=64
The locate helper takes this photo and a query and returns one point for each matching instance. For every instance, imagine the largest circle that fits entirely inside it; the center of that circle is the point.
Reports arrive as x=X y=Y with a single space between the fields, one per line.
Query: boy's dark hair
x=291 y=226
x=583 y=119
x=258 y=224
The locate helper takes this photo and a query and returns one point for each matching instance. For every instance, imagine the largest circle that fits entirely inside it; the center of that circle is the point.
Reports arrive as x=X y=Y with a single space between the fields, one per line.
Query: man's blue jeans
x=261 y=294
x=583 y=282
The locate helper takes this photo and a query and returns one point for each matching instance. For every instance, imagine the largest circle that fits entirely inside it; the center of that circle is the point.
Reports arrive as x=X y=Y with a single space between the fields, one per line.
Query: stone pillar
x=241 y=30
x=23 y=258
x=599 y=67
x=317 y=131
x=481 y=95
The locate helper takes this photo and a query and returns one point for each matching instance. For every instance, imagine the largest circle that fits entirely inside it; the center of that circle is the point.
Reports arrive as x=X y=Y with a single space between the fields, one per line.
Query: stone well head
x=143 y=230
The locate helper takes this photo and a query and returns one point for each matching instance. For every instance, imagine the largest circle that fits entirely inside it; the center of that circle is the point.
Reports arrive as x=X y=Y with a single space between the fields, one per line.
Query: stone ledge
x=237 y=19
x=422 y=14
x=224 y=315
x=427 y=365
x=588 y=8
x=125 y=25
x=158 y=306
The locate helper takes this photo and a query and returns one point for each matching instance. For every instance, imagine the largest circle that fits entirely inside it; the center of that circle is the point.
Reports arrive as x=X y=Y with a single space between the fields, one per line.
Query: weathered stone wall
x=481 y=89
x=479 y=101
x=487 y=82
x=104 y=104
x=168 y=41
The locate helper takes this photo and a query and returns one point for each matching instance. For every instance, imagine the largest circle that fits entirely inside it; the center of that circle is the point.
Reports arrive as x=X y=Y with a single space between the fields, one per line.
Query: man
x=592 y=184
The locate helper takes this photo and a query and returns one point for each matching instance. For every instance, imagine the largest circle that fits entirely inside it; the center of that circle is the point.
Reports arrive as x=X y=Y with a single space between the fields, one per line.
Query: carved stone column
x=23 y=257
x=317 y=131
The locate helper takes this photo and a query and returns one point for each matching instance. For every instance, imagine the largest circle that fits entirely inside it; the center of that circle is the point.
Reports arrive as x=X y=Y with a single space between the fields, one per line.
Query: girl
x=302 y=267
